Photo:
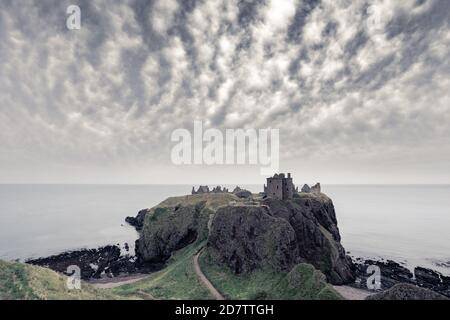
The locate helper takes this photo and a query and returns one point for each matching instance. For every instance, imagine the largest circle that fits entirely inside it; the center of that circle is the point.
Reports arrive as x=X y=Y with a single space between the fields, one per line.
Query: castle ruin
x=205 y=189
x=280 y=187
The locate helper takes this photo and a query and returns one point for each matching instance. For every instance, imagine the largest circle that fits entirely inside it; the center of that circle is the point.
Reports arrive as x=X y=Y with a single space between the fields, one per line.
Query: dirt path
x=351 y=293
x=117 y=282
x=208 y=285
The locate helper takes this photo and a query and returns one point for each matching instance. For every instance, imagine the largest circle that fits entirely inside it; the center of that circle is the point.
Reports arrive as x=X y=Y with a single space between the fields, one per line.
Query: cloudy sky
x=360 y=90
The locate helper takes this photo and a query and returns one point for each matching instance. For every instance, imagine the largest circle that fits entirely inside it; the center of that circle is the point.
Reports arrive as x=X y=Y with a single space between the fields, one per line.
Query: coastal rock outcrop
x=245 y=236
x=92 y=262
x=96 y=263
x=168 y=229
x=280 y=234
x=138 y=221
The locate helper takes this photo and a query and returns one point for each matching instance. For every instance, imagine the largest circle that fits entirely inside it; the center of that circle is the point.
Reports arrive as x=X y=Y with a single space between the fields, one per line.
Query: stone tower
x=280 y=187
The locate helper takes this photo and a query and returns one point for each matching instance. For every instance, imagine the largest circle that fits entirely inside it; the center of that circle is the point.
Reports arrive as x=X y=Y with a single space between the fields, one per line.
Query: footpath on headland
x=206 y=283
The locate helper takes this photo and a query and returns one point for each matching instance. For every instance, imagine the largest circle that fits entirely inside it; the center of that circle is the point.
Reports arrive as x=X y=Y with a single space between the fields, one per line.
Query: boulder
x=406 y=291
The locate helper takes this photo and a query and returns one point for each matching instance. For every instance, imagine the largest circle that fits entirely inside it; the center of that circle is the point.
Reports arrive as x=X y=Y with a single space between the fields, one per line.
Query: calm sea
x=409 y=224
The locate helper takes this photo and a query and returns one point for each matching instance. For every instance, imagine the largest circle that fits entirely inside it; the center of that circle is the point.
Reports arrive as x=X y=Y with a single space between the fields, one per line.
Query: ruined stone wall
x=275 y=188
x=288 y=189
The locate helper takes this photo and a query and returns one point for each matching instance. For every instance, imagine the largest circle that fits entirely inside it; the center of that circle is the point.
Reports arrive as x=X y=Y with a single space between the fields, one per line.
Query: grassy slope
x=24 y=282
x=305 y=283
x=177 y=281
x=213 y=200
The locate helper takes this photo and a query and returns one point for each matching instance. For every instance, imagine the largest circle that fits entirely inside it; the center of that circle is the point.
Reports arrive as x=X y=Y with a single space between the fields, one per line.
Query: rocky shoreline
x=393 y=273
x=102 y=263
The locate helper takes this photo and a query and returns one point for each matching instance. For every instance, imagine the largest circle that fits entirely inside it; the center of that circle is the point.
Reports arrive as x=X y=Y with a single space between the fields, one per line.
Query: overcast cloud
x=360 y=90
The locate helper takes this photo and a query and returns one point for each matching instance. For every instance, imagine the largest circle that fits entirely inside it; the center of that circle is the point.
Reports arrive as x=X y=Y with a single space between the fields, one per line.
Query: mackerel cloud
x=352 y=85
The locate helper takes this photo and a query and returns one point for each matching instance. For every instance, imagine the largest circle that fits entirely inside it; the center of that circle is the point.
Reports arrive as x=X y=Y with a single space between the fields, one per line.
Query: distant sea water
x=409 y=224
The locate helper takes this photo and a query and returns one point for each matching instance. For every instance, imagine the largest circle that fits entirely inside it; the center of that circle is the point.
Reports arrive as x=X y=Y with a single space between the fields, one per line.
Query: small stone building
x=280 y=187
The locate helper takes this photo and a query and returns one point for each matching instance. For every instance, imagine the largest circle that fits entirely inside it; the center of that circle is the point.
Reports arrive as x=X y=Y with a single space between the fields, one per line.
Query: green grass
x=157 y=212
x=304 y=282
x=25 y=282
x=177 y=281
x=213 y=200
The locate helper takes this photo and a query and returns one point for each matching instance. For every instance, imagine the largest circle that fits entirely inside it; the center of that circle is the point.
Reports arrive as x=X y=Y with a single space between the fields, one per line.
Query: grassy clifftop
x=25 y=282
x=212 y=200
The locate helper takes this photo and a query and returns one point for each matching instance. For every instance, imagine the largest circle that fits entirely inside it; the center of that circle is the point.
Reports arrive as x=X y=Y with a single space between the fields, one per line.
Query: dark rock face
x=92 y=262
x=95 y=263
x=407 y=292
x=433 y=280
x=427 y=278
x=138 y=221
x=171 y=229
x=247 y=238
x=280 y=234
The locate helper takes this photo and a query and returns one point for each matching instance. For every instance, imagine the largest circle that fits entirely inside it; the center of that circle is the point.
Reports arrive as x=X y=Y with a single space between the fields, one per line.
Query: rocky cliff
x=248 y=238
x=275 y=234
x=172 y=228
x=280 y=234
